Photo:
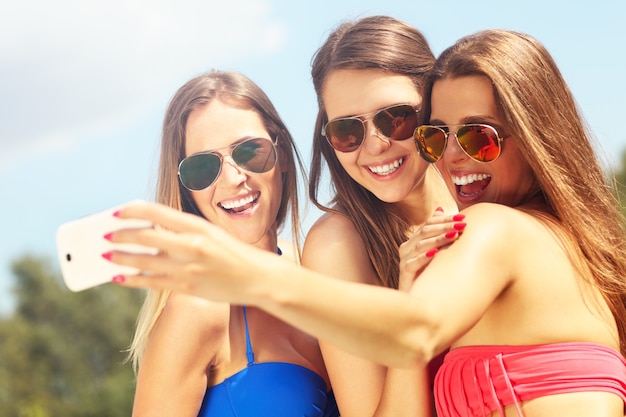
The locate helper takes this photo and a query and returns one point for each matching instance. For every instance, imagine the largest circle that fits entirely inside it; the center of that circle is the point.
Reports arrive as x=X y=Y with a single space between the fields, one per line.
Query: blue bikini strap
x=249 y=351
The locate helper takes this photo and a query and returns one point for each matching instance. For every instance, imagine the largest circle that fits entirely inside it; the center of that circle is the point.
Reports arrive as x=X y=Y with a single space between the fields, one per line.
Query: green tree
x=62 y=353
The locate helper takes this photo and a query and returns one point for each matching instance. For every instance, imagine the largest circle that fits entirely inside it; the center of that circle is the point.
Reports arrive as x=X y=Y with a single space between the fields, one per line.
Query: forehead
x=217 y=125
x=453 y=100
x=352 y=92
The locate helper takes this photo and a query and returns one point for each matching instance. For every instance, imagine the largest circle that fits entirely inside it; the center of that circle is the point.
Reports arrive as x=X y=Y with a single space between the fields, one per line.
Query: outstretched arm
x=381 y=324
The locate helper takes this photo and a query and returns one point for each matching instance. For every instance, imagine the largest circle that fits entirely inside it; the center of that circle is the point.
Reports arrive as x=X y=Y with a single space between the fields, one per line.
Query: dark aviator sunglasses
x=199 y=171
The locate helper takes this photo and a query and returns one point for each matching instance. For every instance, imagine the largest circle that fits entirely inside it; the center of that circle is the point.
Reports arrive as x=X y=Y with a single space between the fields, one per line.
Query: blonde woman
x=227 y=158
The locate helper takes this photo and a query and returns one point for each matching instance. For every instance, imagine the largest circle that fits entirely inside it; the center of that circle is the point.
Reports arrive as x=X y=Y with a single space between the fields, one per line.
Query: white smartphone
x=81 y=243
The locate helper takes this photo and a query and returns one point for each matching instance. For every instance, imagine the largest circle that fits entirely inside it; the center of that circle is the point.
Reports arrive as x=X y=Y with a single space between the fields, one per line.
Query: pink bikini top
x=479 y=380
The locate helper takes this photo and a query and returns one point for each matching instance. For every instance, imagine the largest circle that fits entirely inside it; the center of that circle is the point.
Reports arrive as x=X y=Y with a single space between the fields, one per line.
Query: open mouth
x=240 y=205
x=472 y=184
x=386 y=169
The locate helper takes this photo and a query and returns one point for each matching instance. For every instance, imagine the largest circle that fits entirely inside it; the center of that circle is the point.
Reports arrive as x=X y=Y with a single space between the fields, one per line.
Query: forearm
x=377 y=323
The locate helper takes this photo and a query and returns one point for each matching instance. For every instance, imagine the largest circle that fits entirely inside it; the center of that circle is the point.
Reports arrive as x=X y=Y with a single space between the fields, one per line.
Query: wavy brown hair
x=371 y=43
x=540 y=113
x=236 y=90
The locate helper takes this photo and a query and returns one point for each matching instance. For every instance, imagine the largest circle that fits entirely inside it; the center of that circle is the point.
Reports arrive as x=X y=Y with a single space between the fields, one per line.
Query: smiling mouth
x=470 y=185
x=240 y=205
x=386 y=169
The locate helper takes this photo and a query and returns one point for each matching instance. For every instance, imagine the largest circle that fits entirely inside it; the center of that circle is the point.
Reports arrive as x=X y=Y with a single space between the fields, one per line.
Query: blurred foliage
x=63 y=353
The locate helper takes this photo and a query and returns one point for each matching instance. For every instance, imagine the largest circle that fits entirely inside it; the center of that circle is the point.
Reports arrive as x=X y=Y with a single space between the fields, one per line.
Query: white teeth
x=468 y=179
x=233 y=204
x=387 y=168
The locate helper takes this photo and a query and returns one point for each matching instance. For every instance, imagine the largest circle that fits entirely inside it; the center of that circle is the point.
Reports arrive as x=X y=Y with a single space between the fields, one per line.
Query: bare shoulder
x=195 y=317
x=333 y=226
x=334 y=247
x=508 y=237
x=189 y=336
x=499 y=220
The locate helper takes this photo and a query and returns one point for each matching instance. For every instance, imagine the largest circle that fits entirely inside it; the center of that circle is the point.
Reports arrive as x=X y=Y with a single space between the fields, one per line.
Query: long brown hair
x=236 y=90
x=380 y=43
x=540 y=112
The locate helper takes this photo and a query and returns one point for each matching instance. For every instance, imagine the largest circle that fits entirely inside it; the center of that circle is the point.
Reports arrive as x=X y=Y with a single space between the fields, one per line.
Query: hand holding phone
x=81 y=243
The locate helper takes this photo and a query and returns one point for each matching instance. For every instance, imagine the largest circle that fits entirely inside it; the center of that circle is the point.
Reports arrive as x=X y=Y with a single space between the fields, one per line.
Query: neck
x=428 y=195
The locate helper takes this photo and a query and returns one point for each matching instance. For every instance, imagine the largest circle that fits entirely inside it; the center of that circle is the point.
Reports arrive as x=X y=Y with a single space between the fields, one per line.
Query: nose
x=453 y=150
x=375 y=142
x=232 y=174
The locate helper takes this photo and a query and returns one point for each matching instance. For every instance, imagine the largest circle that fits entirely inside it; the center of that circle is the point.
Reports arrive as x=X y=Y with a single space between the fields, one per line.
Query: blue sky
x=83 y=85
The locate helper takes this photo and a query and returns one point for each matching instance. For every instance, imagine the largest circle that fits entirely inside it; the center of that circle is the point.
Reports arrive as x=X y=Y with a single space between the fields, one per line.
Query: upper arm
x=172 y=378
x=463 y=280
x=334 y=248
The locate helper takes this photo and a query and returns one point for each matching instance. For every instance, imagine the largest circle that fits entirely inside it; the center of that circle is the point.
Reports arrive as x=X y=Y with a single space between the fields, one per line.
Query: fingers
x=163 y=216
x=182 y=236
x=418 y=251
x=153 y=282
x=438 y=231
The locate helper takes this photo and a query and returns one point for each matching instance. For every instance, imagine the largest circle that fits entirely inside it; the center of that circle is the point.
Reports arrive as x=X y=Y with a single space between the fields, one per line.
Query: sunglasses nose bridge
x=371 y=129
x=455 y=142
x=230 y=170
x=381 y=142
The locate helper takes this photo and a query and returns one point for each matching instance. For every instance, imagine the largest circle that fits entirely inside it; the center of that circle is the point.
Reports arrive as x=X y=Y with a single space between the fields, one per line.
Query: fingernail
x=431 y=252
x=107 y=255
x=459 y=226
x=108 y=236
x=118 y=279
x=450 y=235
x=439 y=209
x=117 y=213
x=458 y=217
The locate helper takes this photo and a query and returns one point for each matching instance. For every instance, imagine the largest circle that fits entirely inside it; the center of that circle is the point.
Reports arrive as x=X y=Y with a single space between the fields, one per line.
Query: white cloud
x=72 y=69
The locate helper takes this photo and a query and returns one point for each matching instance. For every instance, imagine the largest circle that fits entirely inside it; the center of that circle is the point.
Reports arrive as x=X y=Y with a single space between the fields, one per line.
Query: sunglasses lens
x=345 y=135
x=430 y=142
x=397 y=122
x=255 y=155
x=480 y=142
x=199 y=171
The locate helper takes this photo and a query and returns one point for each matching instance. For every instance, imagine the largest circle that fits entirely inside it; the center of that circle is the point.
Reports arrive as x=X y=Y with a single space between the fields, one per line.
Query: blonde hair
x=541 y=114
x=237 y=90
x=381 y=43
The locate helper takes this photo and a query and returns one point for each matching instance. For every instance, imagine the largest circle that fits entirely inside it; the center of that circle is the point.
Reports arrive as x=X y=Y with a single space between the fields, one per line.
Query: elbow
x=423 y=349
x=423 y=341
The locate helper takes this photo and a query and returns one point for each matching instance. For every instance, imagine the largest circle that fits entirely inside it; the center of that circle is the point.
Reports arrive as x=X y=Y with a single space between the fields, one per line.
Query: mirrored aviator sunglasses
x=479 y=141
x=199 y=171
x=346 y=134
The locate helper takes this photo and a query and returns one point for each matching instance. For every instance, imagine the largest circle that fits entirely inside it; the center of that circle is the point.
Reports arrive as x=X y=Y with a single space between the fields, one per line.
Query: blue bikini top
x=269 y=389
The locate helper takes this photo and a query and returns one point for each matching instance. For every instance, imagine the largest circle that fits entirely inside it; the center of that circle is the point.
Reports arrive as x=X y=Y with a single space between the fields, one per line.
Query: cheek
x=347 y=159
x=204 y=200
x=446 y=177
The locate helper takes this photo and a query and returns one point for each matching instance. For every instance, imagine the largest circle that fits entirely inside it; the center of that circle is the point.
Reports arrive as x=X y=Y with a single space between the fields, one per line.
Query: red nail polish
x=107 y=255
x=108 y=236
x=459 y=226
x=117 y=213
x=450 y=235
x=118 y=279
x=458 y=217
x=431 y=252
